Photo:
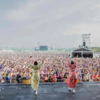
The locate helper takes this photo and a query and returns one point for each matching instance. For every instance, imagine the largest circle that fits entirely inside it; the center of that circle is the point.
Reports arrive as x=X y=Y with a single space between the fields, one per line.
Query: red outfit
x=54 y=78
x=46 y=79
x=95 y=77
x=72 y=79
x=91 y=77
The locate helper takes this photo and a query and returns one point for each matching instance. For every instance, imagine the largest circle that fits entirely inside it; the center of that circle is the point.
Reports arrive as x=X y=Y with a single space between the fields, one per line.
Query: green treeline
x=95 y=49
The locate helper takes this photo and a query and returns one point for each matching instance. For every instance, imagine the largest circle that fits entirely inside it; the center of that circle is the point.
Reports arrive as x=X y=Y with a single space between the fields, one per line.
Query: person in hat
x=36 y=76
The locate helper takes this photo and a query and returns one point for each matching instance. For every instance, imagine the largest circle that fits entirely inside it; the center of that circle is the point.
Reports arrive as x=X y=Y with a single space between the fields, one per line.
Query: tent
x=82 y=52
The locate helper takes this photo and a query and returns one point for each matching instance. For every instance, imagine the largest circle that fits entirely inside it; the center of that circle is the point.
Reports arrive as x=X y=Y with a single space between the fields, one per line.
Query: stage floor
x=51 y=91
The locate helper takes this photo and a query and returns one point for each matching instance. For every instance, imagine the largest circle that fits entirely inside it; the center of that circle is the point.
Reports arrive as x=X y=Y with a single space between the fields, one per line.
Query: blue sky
x=59 y=23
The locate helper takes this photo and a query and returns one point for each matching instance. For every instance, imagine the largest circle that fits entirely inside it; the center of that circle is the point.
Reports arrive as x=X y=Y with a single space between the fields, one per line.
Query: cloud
x=57 y=22
x=24 y=11
x=94 y=29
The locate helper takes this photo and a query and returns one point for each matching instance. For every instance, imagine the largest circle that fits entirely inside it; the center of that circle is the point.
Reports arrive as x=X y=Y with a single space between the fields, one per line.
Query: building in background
x=42 y=48
x=83 y=51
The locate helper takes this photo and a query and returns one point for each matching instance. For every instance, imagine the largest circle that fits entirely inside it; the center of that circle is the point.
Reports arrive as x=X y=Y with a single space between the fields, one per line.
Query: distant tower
x=38 y=44
x=86 y=40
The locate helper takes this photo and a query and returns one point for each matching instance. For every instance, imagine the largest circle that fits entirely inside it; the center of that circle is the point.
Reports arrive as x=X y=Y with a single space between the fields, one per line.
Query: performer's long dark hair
x=35 y=63
x=72 y=62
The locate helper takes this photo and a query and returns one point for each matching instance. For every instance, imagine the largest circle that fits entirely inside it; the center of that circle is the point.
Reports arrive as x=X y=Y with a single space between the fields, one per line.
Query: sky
x=56 y=23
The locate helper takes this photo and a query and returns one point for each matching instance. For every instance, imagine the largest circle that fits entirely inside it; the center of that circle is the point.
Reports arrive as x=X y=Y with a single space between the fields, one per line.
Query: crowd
x=55 y=67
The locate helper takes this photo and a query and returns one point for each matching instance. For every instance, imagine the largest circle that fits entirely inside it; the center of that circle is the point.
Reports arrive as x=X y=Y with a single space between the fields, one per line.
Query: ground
x=50 y=91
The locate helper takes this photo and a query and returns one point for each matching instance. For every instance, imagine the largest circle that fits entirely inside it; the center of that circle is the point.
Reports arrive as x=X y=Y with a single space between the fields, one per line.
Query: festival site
x=49 y=49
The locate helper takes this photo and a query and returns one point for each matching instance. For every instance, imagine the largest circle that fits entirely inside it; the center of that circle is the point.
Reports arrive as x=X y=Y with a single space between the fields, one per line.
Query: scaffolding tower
x=86 y=39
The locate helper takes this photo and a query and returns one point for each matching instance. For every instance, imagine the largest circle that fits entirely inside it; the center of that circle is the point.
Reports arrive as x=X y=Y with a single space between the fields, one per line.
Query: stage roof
x=82 y=49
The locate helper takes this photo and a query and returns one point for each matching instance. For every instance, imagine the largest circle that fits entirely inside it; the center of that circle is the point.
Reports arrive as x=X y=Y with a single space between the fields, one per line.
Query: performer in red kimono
x=72 y=79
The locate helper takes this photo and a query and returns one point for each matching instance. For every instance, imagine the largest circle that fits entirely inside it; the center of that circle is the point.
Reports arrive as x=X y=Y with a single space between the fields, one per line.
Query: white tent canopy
x=82 y=52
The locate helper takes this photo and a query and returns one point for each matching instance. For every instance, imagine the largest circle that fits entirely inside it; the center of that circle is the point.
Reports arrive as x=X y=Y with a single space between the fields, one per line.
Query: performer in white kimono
x=36 y=77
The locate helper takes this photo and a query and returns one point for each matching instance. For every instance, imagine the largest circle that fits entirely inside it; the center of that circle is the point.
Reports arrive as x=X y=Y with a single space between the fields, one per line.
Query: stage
x=50 y=91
